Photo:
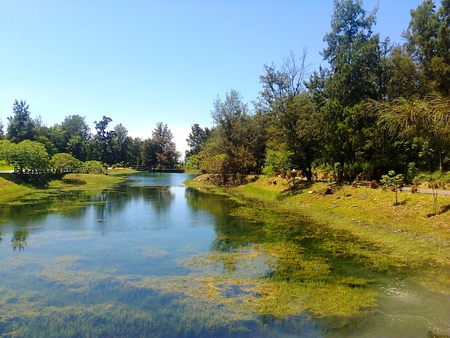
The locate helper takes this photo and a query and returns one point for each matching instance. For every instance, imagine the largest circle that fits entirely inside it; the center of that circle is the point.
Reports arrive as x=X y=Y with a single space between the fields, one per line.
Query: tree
x=394 y=181
x=72 y=136
x=356 y=74
x=65 y=163
x=428 y=43
x=196 y=140
x=92 y=167
x=160 y=151
x=353 y=53
x=427 y=119
x=234 y=135
x=103 y=139
x=20 y=125
x=26 y=155
x=277 y=162
x=75 y=125
x=2 y=134
x=120 y=145
x=402 y=77
x=293 y=118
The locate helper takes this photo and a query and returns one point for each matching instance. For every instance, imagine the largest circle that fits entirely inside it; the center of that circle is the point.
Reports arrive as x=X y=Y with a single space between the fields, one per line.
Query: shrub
x=92 y=167
x=63 y=163
x=394 y=181
x=373 y=184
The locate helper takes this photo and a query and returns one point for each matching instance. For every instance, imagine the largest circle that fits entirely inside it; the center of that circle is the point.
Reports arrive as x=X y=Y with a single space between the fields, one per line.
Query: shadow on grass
x=73 y=181
x=404 y=202
x=444 y=209
x=37 y=181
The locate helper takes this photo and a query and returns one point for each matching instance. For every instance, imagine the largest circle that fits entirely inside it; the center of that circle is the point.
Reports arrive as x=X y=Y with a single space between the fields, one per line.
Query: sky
x=141 y=62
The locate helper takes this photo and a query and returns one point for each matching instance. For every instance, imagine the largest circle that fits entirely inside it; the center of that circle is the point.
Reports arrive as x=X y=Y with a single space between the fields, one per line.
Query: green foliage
x=277 y=162
x=428 y=44
x=235 y=136
x=160 y=151
x=92 y=167
x=2 y=133
x=20 y=125
x=434 y=181
x=192 y=163
x=213 y=164
x=197 y=140
x=63 y=163
x=26 y=155
x=412 y=172
x=393 y=180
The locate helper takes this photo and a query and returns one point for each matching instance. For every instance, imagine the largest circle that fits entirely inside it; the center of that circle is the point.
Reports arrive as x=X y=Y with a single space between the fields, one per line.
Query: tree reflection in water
x=19 y=240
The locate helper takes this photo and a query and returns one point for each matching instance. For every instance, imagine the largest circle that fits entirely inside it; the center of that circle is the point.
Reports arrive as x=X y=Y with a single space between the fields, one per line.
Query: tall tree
x=196 y=140
x=20 y=125
x=427 y=40
x=354 y=54
x=160 y=151
x=293 y=123
x=75 y=125
x=120 y=145
x=2 y=133
x=234 y=133
x=104 y=139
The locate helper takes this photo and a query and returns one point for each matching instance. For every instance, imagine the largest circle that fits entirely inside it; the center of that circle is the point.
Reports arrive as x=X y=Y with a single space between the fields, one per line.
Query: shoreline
x=405 y=236
x=12 y=192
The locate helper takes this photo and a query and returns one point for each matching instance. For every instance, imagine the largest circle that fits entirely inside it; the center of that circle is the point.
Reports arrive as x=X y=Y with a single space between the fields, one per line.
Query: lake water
x=153 y=258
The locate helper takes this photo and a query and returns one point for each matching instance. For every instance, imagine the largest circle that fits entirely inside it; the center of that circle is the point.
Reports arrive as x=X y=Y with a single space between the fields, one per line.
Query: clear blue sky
x=143 y=61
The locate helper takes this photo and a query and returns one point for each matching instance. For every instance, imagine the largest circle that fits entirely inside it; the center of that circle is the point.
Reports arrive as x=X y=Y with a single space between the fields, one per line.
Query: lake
x=153 y=258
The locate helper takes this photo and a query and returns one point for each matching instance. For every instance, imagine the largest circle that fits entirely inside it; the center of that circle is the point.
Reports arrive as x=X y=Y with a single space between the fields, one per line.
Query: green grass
x=12 y=191
x=5 y=166
x=121 y=171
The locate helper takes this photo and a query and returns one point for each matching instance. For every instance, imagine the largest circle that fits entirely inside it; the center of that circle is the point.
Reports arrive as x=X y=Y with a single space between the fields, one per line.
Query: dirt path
x=428 y=191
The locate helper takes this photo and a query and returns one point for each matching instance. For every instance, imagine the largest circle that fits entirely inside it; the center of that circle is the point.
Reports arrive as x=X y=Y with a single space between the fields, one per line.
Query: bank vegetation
x=385 y=235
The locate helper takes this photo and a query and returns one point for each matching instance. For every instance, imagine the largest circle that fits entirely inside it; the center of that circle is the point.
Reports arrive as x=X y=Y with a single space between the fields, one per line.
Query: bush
x=394 y=181
x=373 y=184
x=92 y=167
x=65 y=163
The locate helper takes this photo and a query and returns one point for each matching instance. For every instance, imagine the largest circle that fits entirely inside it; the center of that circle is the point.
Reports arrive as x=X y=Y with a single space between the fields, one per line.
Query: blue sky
x=142 y=62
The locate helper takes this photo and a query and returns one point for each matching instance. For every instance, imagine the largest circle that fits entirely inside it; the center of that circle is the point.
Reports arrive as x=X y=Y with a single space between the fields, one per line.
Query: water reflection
x=19 y=240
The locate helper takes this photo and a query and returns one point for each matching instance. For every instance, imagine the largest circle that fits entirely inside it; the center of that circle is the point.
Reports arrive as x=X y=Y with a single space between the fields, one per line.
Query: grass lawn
x=5 y=166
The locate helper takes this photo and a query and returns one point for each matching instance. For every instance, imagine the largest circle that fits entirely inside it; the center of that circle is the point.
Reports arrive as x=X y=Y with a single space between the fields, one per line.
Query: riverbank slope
x=384 y=236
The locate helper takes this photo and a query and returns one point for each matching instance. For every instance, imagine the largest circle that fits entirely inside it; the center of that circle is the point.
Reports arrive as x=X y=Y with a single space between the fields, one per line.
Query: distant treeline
x=30 y=145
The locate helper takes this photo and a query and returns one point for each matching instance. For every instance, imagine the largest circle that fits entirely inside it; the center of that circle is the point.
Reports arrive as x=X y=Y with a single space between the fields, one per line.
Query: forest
x=376 y=108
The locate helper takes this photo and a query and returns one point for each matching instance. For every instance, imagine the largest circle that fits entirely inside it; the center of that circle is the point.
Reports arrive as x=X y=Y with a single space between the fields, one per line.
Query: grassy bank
x=374 y=231
x=13 y=191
